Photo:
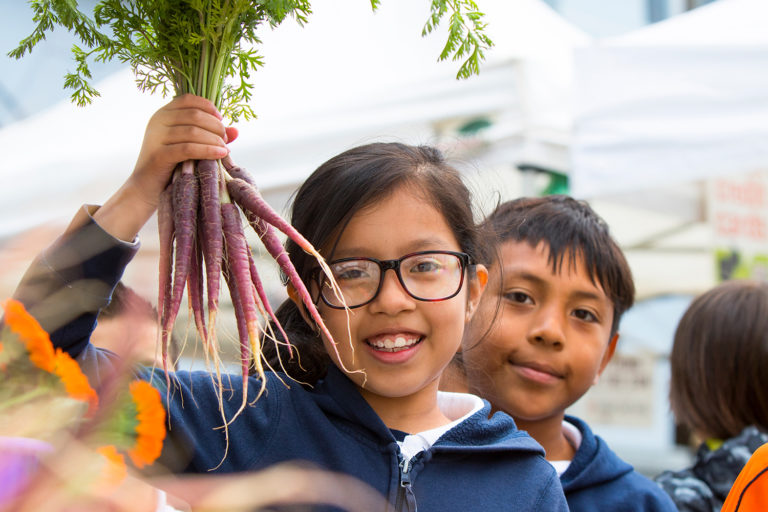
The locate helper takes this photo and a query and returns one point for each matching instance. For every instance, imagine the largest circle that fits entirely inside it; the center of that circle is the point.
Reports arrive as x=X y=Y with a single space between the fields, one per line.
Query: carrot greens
x=207 y=47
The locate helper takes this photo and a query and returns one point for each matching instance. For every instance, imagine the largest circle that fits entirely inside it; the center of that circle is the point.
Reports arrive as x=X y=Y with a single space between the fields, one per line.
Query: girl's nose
x=392 y=297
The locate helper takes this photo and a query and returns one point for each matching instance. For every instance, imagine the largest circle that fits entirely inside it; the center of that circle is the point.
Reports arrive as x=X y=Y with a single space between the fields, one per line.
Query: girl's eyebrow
x=420 y=244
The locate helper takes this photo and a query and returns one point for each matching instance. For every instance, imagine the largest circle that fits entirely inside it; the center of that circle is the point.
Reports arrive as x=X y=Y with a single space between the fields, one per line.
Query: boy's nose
x=547 y=330
x=392 y=297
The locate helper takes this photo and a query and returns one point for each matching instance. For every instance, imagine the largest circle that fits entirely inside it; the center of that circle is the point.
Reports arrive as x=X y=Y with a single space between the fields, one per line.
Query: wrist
x=124 y=214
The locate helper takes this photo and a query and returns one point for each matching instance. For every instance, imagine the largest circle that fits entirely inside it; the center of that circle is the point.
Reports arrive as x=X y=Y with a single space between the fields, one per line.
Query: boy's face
x=551 y=338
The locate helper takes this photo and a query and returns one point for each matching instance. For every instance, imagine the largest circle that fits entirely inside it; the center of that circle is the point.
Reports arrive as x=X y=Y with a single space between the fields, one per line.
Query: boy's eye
x=583 y=314
x=519 y=297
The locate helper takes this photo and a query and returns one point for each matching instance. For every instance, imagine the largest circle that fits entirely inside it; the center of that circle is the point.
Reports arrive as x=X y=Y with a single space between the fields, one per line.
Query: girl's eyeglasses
x=428 y=276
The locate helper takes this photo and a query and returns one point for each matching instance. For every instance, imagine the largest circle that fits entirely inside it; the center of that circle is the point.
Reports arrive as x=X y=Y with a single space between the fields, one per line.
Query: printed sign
x=738 y=213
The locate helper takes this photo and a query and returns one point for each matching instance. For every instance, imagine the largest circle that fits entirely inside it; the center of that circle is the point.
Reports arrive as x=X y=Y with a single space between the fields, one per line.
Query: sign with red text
x=738 y=213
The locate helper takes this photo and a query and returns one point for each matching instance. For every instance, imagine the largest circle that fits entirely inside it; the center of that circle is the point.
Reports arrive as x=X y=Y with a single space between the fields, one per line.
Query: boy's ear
x=607 y=356
x=476 y=288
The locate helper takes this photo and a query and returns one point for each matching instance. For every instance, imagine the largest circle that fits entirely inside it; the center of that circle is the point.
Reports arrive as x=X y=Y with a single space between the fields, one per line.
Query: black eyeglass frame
x=465 y=261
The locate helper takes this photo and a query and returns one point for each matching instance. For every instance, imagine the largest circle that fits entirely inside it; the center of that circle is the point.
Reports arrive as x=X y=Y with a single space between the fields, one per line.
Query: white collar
x=574 y=437
x=456 y=407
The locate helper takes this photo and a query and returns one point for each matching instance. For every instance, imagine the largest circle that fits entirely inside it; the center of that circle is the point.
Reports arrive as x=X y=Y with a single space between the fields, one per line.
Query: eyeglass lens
x=425 y=276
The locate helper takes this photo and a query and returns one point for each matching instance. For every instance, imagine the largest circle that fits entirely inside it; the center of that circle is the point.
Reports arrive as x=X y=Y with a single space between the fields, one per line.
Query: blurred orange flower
x=31 y=334
x=150 y=430
x=43 y=355
x=115 y=470
x=75 y=382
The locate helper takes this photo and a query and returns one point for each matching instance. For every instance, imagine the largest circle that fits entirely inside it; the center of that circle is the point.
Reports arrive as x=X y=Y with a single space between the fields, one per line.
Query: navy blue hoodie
x=481 y=464
x=597 y=479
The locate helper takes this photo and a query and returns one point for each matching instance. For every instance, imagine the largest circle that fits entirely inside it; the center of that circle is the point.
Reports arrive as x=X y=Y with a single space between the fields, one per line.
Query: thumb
x=232 y=133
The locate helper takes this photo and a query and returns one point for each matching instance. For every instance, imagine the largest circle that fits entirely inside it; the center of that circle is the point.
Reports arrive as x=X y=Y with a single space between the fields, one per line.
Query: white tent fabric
x=349 y=76
x=680 y=100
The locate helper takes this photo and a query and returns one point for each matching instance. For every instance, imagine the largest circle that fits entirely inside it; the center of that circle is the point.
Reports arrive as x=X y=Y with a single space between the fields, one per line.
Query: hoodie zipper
x=406 y=500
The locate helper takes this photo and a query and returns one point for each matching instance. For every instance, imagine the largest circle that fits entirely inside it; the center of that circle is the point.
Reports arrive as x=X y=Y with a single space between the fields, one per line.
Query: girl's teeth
x=392 y=345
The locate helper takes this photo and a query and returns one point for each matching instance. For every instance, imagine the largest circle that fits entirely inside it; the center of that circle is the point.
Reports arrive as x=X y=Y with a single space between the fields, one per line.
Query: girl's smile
x=400 y=345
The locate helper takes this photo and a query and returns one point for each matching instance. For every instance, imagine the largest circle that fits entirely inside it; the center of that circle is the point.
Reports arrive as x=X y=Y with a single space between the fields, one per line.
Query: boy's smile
x=549 y=342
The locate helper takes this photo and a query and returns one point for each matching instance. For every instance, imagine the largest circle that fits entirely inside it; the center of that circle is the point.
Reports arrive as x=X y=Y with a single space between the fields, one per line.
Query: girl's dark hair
x=325 y=203
x=719 y=358
x=568 y=227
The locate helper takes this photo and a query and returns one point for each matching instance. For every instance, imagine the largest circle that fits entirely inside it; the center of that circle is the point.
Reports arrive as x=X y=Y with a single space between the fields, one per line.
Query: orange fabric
x=750 y=490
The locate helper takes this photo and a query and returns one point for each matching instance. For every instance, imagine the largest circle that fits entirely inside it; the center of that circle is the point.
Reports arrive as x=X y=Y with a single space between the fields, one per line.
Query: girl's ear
x=476 y=287
x=294 y=295
x=607 y=356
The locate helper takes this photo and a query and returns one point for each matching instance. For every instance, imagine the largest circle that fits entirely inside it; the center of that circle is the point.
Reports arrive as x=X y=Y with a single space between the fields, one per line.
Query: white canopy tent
x=656 y=113
x=680 y=100
x=349 y=76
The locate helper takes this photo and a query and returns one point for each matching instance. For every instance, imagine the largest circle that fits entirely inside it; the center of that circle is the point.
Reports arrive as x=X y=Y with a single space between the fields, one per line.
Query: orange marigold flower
x=75 y=382
x=150 y=430
x=115 y=470
x=31 y=333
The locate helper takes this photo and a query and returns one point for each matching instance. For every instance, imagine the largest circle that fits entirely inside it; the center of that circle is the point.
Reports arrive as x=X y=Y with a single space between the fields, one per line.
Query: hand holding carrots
x=187 y=128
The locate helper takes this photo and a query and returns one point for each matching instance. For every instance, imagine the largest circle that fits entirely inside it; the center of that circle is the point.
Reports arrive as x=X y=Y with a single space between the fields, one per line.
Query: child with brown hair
x=719 y=389
x=374 y=411
x=545 y=329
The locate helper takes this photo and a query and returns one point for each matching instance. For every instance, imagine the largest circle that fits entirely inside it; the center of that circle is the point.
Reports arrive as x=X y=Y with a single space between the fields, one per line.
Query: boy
x=546 y=328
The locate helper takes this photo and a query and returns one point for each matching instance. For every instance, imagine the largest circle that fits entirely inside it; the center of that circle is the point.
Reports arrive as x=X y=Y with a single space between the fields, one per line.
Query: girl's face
x=428 y=333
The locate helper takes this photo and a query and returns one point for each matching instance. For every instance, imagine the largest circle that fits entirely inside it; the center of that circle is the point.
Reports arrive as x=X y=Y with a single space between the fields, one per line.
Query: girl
x=719 y=390
x=374 y=410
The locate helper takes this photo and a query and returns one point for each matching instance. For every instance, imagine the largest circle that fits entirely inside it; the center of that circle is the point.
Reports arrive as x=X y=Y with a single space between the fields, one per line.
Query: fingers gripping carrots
x=188 y=128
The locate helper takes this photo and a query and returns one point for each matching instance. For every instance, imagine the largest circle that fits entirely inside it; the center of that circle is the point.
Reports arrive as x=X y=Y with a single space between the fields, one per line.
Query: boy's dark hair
x=719 y=358
x=568 y=227
x=324 y=205
x=126 y=300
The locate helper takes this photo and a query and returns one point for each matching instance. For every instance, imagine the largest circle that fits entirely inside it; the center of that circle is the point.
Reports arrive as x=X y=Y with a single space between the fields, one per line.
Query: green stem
x=38 y=391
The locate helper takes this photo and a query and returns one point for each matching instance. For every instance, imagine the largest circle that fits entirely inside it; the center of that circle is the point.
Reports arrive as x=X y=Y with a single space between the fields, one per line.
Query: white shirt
x=574 y=437
x=456 y=407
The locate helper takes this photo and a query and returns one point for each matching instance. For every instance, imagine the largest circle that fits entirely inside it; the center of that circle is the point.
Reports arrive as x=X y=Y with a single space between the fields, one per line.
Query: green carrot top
x=207 y=47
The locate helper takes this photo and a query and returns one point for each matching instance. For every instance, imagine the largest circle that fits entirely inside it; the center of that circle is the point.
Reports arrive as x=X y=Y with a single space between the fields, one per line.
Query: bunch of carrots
x=206 y=48
x=200 y=224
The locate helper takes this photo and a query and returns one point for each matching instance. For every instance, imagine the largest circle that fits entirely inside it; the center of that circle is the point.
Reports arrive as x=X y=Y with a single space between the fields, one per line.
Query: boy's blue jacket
x=481 y=464
x=597 y=479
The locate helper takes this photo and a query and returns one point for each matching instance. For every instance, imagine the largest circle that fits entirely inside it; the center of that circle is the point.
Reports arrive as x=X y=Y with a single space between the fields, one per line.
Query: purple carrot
x=165 y=231
x=185 y=196
x=237 y=172
x=262 y=294
x=248 y=197
x=212 y=241
x=195 y=290
x=251 y=203
x=243 y=295
x=243 y=336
